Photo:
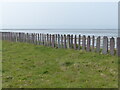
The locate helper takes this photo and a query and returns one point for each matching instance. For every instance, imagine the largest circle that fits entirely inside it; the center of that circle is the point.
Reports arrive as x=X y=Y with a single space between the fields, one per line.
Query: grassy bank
x=33 y=66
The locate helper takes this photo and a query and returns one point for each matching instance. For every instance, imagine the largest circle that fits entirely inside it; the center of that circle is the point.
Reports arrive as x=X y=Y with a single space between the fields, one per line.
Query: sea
x=87 y=32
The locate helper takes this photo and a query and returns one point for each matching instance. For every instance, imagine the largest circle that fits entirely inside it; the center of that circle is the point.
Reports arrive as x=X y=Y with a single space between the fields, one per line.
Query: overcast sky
x=70 y=15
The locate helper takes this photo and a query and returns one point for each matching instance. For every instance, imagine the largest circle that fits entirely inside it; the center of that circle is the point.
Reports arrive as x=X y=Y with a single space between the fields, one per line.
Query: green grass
x=33 y=66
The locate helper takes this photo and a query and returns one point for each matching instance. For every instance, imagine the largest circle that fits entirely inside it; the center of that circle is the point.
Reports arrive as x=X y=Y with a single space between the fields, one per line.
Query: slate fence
x=103 y=45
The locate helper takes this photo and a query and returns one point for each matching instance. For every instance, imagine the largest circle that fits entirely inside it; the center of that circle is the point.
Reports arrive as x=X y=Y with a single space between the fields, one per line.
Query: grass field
x=33 y=66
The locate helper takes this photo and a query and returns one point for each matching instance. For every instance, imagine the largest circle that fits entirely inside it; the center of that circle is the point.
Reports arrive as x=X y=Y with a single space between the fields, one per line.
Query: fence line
x=102 y=45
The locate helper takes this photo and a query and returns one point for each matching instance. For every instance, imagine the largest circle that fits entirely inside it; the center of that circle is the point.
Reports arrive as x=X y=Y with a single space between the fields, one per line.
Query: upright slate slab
x=27 y=37
x=71 y=42
x=61 y=41
x=36 y=38
x=47 y=40
x=75 y=42
x=2 y=33
x=56 y=38
x=20 y=34
x=1 y=36
x=50 y=41
x=19 y=37
x=84 y=43
x=15 y=37
x=88 y=44
x=98 y=45
x=112 y=46
x=11 y=36
x=105 y=45
x=58 y=41
x=118 y=46
x=8 y=36
x=40 y=39
x=53 y=41
x=93 y=43
x=33 y=38
x=68 y=41
x=5 y=35
x=44 y=39
x=64 y=41
x=24 y=37
x=79 y=42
